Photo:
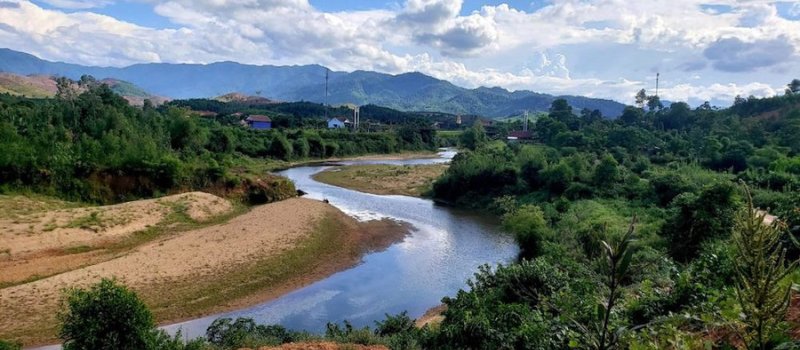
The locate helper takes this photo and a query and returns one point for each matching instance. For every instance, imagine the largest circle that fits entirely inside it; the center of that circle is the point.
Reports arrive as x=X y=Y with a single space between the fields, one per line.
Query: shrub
x=4 y=345
x=244 y=332
x=698 y=219
x=529 y=228
x=106 y=316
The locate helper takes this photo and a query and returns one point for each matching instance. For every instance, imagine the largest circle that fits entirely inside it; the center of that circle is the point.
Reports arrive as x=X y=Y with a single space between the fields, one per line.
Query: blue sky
x=704 y=49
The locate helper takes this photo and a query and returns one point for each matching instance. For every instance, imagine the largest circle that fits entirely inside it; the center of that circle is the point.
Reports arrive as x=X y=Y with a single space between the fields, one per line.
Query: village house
x=259 y=122
x=338 y=123
x=519 y=135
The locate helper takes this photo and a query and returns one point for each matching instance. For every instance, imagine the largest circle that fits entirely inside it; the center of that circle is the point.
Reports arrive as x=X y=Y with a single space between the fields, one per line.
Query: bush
x=244 y=332
x=106 y=316
x=4 y=345
x=502 y=310
x=529 y=228
x=698 y=219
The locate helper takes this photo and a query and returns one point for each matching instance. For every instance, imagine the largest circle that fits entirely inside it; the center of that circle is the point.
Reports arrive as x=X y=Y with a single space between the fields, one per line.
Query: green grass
x=449 y=133
x=17 y=205
x=78 y=249
x=93 y=221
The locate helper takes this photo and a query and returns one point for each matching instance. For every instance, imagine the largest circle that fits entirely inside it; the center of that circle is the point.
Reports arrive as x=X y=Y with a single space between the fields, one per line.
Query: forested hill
x=38 y=86
x=408 y=92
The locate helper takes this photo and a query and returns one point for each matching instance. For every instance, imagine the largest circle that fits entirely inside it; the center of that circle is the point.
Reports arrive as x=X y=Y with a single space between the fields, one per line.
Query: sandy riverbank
x=251 y=258
x=384 y=179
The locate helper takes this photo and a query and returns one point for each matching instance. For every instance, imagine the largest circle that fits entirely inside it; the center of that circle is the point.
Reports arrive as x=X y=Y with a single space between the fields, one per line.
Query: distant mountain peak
x=411 y=91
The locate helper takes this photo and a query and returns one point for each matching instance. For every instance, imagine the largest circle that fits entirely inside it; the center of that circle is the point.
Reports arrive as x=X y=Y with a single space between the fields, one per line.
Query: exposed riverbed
x=443 y=251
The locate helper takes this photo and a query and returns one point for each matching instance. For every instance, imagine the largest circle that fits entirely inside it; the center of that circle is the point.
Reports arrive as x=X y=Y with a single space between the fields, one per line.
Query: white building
x=338 y=123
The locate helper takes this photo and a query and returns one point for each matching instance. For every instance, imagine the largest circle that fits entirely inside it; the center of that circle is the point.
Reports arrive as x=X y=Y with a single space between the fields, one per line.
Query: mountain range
x=408 y=91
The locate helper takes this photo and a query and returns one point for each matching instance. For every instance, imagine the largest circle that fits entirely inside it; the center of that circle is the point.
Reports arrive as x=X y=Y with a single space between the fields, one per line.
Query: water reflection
x=443 y=251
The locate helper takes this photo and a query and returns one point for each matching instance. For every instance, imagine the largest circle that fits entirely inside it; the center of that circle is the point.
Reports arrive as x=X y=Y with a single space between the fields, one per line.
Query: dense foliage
x=109 y=316
x=575 y=188
x=634 y=233
x=89 y=144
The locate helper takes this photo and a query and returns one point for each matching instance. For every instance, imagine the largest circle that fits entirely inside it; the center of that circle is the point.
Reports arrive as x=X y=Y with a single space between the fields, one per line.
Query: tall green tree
x=794 y=86
x=474 y=137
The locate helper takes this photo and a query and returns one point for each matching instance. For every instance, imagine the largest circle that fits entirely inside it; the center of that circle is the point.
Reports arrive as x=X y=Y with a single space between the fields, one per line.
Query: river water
x=444 y=249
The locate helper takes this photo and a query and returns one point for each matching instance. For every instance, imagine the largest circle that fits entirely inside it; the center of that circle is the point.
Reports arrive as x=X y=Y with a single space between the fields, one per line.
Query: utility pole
x=525 y=126
x=356 y=117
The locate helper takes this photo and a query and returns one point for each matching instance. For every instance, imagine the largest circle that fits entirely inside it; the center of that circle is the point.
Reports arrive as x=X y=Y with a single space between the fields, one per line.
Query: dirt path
x=259 y=255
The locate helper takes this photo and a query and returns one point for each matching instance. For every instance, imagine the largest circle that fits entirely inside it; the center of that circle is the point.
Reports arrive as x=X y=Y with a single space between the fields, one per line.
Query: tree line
x=637 y=232
x=91 y=145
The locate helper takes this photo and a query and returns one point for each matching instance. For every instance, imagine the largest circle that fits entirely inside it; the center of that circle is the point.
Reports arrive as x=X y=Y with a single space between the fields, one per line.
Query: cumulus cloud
x=717 y=94
x=490 y=46
x=77 y=4
x=735 y=55
x=430 y=13
x=437 y=23
x=548 y=65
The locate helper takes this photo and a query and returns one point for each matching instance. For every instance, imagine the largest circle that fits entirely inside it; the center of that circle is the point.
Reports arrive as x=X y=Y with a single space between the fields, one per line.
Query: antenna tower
x=657 y=76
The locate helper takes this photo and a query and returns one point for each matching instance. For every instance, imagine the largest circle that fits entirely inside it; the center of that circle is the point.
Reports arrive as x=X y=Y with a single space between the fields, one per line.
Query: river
x=443 y=250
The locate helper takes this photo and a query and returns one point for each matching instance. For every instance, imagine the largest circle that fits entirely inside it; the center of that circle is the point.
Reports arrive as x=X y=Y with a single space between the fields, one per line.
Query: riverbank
x=383 y=179
x=251 y=258
x=276 y=165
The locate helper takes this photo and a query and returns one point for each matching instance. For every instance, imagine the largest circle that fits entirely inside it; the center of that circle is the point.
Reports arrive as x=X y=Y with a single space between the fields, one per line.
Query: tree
x=641 y=98
x=529 y=228
x=561 y=111
x=654 y=103
x=474 y=137
x=631 y=116
x=280 y=147
x=760 y=263
x=794 y=86
x=607 y=172
x=106 y=316
x=87 y=81
x=64 y=89
x=697 y=219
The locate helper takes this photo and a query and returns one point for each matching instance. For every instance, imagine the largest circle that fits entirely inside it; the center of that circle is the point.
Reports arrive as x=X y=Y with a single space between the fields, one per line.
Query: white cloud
x=602 y=48
x=78 y=4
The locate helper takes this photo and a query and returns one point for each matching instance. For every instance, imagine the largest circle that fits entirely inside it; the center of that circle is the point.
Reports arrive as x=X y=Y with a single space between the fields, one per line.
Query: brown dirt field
x=260 y=255
x=382 y=179
x=432 y=316
x=44 y=237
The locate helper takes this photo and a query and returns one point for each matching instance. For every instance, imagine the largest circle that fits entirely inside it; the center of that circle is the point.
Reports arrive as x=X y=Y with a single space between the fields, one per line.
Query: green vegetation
x=633 y=232
x=88 y=324
x=90 y=145
x=760 y=268
x=704 y=270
